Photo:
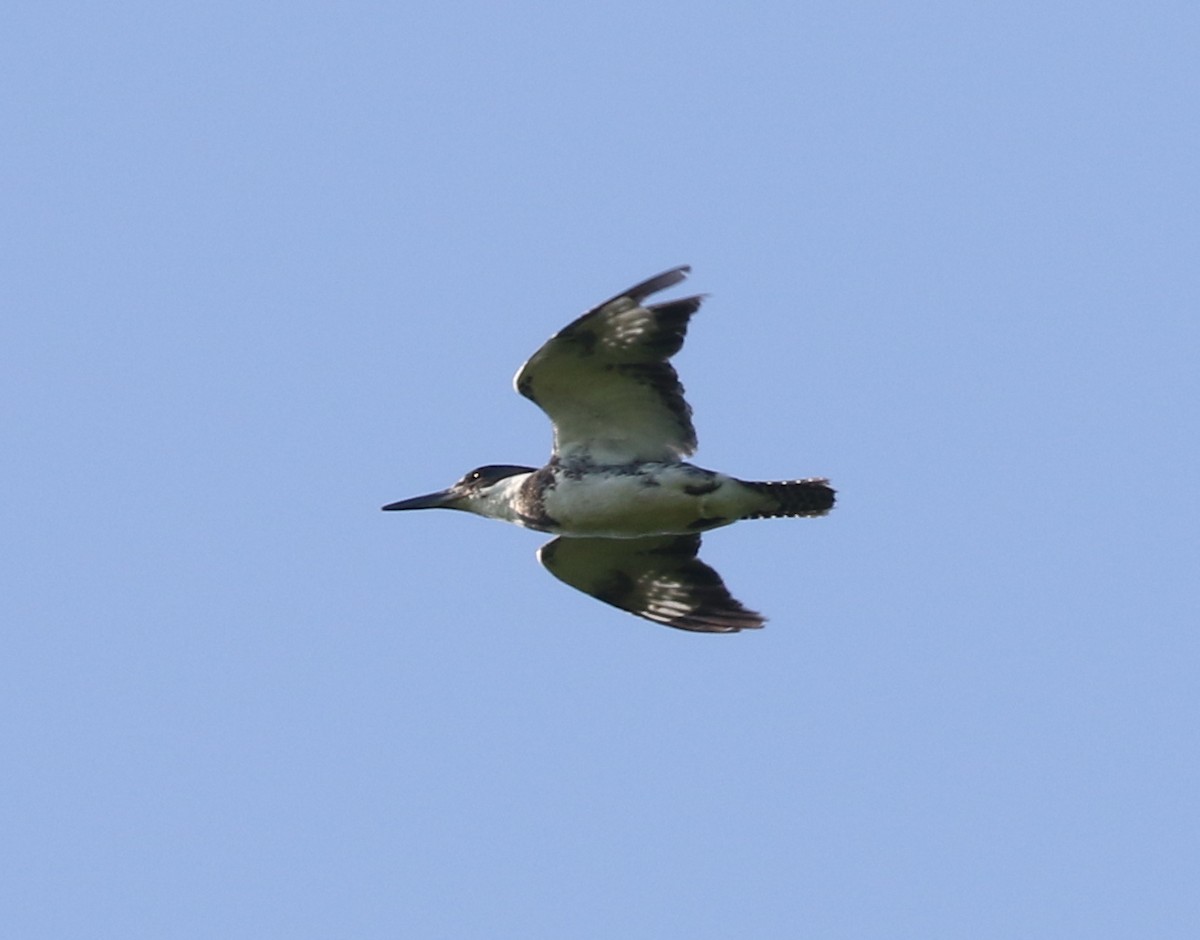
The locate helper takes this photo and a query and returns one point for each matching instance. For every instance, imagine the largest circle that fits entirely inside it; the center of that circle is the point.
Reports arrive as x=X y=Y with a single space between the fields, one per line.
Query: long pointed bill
x=441 y=500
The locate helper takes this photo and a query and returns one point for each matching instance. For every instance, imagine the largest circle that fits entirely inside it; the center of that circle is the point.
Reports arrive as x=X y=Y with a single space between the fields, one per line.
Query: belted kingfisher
x=627 y=510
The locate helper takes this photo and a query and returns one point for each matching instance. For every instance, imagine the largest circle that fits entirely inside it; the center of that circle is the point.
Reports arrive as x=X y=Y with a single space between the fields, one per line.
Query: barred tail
x=792 y=498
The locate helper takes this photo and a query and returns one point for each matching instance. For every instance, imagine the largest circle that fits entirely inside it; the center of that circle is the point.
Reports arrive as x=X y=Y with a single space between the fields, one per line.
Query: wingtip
x=659 y=282
x=725 y=621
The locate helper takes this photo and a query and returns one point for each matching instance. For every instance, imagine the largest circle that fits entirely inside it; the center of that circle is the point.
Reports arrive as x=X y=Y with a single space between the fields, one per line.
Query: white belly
x=632 y=505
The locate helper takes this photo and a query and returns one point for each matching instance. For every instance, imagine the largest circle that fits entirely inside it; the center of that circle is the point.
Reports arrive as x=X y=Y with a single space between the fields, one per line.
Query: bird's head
x=470 y=493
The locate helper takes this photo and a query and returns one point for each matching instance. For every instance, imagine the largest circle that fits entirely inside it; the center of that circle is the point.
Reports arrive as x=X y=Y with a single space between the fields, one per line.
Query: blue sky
x=270 y=266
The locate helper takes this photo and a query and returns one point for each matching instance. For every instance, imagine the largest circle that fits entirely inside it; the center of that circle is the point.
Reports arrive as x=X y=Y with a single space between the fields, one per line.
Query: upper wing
x=605 y=382
x=659 y=578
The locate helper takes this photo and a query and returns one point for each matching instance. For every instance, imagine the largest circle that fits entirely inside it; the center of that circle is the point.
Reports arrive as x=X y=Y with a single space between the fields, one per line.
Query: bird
x=625 y=507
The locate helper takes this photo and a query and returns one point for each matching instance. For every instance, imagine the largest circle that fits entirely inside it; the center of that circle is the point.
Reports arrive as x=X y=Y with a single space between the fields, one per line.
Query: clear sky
x=268 y=266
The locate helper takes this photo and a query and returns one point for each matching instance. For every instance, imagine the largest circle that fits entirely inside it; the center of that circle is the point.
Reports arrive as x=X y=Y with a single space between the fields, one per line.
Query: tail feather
x=812 y=497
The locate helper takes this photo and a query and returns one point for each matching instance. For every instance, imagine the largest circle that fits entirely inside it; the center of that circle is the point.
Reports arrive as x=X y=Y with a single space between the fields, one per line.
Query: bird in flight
x=626 y=508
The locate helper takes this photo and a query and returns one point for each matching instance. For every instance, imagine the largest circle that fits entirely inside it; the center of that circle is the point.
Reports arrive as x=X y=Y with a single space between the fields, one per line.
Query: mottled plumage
x=625 y=506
